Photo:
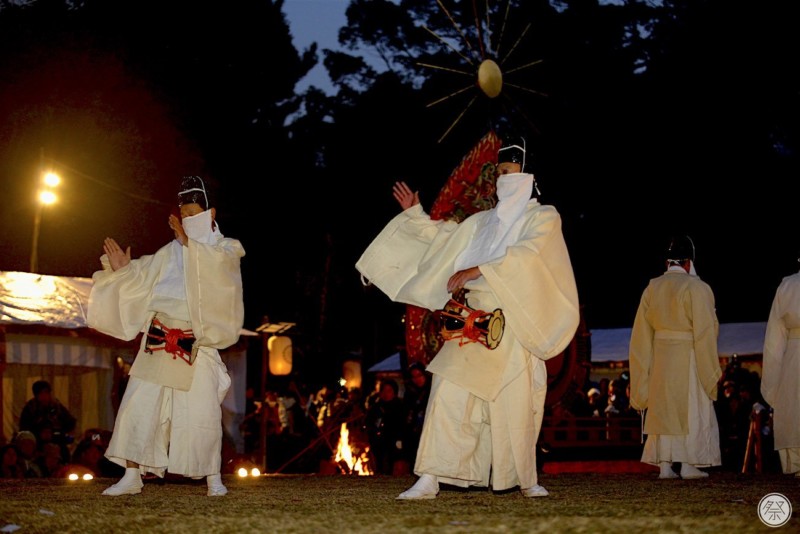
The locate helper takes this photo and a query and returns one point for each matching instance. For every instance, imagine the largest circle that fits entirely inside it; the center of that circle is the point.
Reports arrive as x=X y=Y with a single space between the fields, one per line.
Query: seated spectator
x=595 y=407
x=45 y=436
x=43 y=411
x=90 y=453
x=617 y=398
x=617 y=405
x=27 y=450
x=50 y=462
x=10 y=466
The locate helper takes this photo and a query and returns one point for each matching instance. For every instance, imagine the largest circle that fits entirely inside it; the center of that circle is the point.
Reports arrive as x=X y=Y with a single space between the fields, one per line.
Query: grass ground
x=579 y=502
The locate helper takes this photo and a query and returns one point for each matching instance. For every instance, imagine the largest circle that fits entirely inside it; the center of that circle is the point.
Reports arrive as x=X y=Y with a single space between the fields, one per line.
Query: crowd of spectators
x=741 y=413
x=45 y=445
x=303 y=427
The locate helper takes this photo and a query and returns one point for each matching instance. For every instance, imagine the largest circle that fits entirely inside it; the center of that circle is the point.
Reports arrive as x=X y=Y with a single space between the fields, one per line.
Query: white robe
x=484 y=414
x=780 y=378
x=675 y=368
x=170 y=416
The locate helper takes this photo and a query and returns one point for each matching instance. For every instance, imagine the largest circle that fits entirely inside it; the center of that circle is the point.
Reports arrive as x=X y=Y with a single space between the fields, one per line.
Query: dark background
x=643 y=120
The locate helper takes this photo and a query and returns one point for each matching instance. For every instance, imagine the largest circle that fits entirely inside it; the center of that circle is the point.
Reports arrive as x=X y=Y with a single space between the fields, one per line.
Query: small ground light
x=78 y=472
x=243 y=472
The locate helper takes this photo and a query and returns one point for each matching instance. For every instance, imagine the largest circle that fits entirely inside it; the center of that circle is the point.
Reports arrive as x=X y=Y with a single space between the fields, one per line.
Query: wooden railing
x=613 y=431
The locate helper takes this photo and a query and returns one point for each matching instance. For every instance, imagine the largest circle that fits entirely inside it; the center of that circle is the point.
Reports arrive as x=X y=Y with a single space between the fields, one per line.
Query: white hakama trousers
x=790 y=459
x=166 y=429
x=468 y=441
x=700 y=447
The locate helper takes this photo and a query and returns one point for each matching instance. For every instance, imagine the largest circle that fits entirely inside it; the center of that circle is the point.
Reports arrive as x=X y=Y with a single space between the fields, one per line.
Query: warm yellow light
x=87 y=476
x=73 y=476
x=255 y=472
x=351 y=370
x=47 y=197
x=242 y=472
x=280 y=355
x=24 y=287
x=51 y=179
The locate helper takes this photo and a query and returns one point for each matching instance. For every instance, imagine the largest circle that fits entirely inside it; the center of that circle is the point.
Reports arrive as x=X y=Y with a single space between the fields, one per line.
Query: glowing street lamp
x=46 y=197
x=51 y=179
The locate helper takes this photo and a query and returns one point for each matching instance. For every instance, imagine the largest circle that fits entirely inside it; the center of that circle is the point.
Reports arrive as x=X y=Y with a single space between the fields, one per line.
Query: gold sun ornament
x=486 y=62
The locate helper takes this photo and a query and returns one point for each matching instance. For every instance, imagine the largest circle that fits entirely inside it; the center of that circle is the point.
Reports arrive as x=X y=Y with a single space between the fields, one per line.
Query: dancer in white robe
x=486 y=405
x=187 y=300
x=780 y=375
x=674 y=367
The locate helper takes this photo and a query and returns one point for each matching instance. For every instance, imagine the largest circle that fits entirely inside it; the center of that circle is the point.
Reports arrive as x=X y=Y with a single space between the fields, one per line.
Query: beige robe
x=170 y=415
x=674 y=367
x=486 y=403
x=780 y=375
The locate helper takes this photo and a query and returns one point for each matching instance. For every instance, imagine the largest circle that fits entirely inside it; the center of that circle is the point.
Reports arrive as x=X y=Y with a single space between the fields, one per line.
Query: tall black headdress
x=680 y=248
x=512 y=150
x=193 y=191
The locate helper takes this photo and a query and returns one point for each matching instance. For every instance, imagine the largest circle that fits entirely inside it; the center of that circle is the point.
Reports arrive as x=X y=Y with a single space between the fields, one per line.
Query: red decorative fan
x=469 y=189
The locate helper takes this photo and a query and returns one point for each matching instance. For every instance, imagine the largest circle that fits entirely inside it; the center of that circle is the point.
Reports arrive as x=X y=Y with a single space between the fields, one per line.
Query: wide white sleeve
x=119 y=300
x=214 y=291
x=535 y=286
x=411 y=259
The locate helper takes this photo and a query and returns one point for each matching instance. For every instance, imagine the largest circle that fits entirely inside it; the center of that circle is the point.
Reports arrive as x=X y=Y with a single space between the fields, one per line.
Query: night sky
x=124 y=157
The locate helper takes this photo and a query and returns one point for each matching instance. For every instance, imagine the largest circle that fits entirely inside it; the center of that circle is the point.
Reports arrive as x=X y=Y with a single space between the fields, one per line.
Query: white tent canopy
x=43 y=335
x=743 y=339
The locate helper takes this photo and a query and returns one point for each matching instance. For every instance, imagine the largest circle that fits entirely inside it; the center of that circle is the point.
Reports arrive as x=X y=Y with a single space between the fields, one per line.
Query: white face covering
x=198 y=227
x=502 y=225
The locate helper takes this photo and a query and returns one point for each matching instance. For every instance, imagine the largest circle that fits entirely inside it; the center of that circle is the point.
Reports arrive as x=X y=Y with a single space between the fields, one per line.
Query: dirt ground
x=578 y=502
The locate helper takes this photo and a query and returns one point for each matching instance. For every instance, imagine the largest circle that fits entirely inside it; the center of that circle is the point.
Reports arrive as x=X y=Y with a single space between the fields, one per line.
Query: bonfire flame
x=344 y=455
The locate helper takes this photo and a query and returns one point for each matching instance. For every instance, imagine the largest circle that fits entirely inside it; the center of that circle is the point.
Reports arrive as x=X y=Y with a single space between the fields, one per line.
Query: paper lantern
x=280 y=355
x=351 y=371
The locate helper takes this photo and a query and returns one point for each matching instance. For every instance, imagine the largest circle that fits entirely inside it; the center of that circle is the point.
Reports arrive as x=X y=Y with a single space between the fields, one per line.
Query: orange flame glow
x=344 y=453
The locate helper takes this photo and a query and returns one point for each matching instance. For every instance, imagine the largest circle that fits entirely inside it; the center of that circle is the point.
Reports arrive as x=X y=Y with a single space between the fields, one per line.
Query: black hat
x=680 y=248
x=512 y=150
x=193 y=191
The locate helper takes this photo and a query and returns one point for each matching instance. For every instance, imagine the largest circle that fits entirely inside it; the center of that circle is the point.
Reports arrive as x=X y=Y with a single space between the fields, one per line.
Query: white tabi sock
x=130 y=484
x=215 y=486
